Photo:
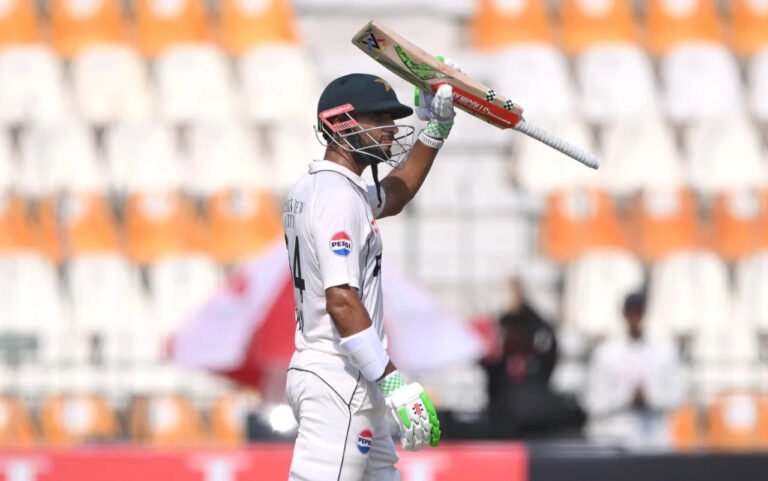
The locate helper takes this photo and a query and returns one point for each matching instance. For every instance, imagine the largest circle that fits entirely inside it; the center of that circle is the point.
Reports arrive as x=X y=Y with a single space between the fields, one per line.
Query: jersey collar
x=320 y=165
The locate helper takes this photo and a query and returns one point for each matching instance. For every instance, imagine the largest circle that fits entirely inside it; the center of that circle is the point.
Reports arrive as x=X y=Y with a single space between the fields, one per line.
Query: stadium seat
x=617 y=82
x=8 y=171
x=179 y=285
x=670 y=23
x=751 y=284
x=70 y=419
x=639 y=154
x=241 y=223
x=165 y=420
x=17 y=232
x=542 y=170
x=16 y=427
x=448 y=189
x=110 y=84
x=161 y=223
x=293 y=147
x=749 y=26
x=445 y=261
x=78 y=25
x=291 y=69
x=194 y=84
x=588 y=23
x=248 y=24
x=665 y=221
x=738 y=420
x=141 y=156
x=57 y=156
x=689 y=291
x=736 y=219
x=161 y=24
x=725 y=154
x=501 y=242
x=701 y=80
x=496 y=24
x=228 y=416
x=31 y=84
x=757 y=79
x=596 y=284
x=725 y=356
x=577 y=221
x=685 y=428
x=19 y=23
x=109 y=310
x=225 y=155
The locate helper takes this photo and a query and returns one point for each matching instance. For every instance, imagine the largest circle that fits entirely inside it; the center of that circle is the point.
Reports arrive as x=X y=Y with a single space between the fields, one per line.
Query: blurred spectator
x=635 y=380
x=521 y=403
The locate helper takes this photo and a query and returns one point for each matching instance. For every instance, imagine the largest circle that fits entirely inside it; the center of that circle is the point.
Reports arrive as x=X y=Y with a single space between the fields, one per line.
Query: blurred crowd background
x=146 y=145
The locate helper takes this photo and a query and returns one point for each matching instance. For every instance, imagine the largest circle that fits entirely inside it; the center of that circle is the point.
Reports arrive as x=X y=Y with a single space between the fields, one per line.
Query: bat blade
x=422 y=69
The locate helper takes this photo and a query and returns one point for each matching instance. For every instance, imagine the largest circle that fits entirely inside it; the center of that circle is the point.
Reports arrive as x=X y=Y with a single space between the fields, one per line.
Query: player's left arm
x=401 y=185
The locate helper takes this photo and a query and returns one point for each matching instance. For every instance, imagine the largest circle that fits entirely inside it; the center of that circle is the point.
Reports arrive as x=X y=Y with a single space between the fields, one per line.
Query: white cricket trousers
x=343 y=430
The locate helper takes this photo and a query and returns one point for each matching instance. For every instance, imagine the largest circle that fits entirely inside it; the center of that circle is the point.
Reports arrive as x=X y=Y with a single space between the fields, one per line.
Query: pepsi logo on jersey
x=364 y=440
x=341 y=244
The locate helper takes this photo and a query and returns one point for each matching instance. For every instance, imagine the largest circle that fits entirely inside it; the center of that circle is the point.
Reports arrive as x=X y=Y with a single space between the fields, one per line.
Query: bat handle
x=557 y=143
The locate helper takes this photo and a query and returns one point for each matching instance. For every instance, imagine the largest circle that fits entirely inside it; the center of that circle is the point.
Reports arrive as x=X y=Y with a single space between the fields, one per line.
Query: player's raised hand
x=413 y=411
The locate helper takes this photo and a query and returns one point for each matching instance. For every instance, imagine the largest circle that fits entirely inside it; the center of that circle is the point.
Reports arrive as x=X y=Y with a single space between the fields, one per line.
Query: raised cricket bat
x=423 y=70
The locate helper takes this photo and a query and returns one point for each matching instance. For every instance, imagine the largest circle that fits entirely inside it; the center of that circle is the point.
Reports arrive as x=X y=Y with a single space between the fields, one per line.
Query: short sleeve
x=373 y=200
x=340 y=230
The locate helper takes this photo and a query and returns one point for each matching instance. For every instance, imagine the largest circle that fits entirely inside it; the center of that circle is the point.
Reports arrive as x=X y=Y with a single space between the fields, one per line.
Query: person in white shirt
x=634 y=381
x=341 y=383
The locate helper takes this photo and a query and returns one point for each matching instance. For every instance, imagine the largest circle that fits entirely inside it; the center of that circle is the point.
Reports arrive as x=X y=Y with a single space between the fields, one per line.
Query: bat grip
x=557 y=143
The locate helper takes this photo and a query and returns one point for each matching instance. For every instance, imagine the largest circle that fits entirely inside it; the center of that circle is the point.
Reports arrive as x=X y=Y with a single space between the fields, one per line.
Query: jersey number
x=298 y=282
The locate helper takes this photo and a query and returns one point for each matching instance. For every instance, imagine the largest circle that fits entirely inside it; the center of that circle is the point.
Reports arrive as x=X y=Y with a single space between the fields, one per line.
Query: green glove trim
x=435 y=432
x=437 y=129
x=404 y=418
x=391 y=383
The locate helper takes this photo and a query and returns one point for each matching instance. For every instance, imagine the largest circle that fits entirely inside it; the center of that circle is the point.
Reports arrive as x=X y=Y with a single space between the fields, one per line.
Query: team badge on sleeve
x=341 y=244
x=364 y=440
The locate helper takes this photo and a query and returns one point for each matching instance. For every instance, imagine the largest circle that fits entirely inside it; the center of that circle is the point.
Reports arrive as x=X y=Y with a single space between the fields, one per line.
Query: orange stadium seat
x=245 y=24
x=76 y=25
x=497 y=24
x=228 y=416
x=16 y=229
x=669 y=22
x=762 y=223
x=684 y=428
x=664 y=221
x=736 y=218
x=15 y=424
x=241 y=223
x=577 y=220
x=76 y=418
x=19 y=23
x=586 y=23
x=165 y=420
x=738 y=420
x=161 y=223
x=749 y=26
x=83 y=222
x=161 y=23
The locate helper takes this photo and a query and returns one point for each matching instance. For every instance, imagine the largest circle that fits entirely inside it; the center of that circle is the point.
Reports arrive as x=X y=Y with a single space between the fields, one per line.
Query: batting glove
x=413 y=411
x=437 y=108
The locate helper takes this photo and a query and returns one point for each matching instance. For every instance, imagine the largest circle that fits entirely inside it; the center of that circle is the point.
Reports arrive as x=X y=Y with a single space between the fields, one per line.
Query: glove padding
x=416 y=416
x=424 y=99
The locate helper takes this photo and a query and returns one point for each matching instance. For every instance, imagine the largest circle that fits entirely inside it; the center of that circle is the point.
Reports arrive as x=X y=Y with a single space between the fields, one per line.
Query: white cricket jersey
x=332 y=239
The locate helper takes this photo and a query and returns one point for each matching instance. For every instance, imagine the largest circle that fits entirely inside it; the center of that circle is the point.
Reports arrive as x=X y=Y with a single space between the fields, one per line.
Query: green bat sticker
x=421 y=70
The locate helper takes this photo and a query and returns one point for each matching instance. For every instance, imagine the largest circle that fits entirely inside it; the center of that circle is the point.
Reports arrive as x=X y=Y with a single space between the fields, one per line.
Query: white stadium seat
x=142 y=156
x=688 y=291
x=179 y=285
x=617 y=82
x=194 y=83
x=294 y=145
x=8 y=171
x=638 y=154
x=595 y=287
x=725 y=357
x=59 y=155
x=541 y=169
x=449 y=188
x=108 y=302
x=225 y=155
x=725 y=154
x=443 y=250
x=31 y=85
x=752 y=290
x=499 y=244
x=279 y=83
x=110 y=83
x=700 y=80
x=757 y=77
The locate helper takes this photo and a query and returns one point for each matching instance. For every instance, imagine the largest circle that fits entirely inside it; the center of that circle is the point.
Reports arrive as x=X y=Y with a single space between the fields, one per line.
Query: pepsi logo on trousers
x=341 y=244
